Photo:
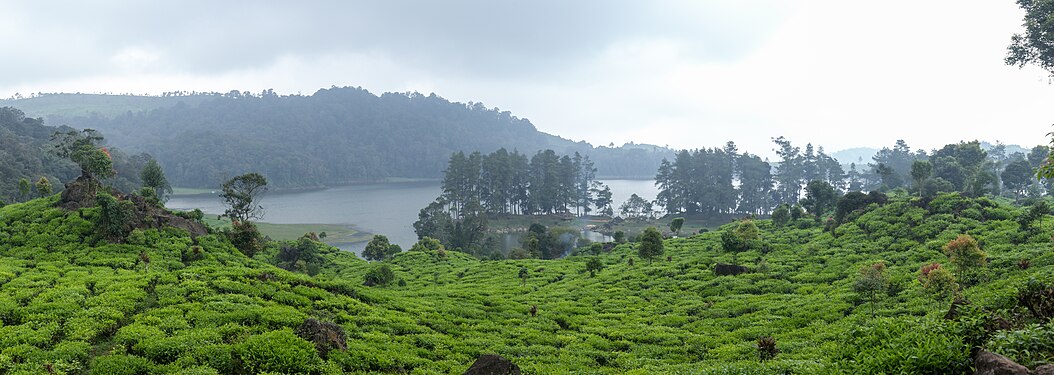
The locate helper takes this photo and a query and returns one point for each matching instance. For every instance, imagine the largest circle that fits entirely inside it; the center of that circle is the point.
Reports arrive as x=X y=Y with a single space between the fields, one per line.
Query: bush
x=767 y=348
x=1030 y=346
x=381 y=275
x=114 y=217
x=277 y=351
x=121 y=365
x=245 y=237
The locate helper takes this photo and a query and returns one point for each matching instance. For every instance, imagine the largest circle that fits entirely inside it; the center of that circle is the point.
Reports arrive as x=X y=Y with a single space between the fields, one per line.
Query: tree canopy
x=241 y=195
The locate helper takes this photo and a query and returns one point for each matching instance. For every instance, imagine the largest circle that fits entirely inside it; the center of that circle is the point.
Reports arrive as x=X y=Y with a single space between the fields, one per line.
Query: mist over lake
x=381 y=208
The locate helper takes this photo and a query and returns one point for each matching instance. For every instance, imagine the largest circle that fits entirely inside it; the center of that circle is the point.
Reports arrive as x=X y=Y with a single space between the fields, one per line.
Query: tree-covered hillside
x=334 y=136
x=27 y=153
x=814 y=298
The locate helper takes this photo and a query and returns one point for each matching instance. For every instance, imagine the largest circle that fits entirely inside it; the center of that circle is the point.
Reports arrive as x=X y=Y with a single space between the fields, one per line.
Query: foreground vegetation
x=160 y=301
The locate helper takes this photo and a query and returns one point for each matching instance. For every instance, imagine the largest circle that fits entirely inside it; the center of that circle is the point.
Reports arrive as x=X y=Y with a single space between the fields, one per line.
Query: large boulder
x=988 y=363
x=953 y=311
x=1044 y=370
x=79 y=193
x=722 y=269
x=490 y=364
x=149 y=215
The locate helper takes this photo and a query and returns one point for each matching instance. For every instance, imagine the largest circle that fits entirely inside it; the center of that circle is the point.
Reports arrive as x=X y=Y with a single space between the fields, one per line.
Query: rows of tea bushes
x=163 y=302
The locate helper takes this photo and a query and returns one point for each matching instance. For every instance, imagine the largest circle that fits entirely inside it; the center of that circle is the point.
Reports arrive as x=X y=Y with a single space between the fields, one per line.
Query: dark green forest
x=722 y=180
x=334 y=136
x=27 y=153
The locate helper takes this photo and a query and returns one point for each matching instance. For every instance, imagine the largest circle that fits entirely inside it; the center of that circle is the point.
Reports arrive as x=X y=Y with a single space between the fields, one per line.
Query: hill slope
x=25 y=152
x=334 y=136
x=74 y=304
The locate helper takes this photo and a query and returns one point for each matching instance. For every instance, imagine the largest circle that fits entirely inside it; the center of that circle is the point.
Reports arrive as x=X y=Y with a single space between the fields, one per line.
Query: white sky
x=682 y=73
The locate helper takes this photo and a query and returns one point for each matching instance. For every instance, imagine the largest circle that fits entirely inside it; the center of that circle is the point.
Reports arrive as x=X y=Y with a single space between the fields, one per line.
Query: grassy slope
x=80 y=306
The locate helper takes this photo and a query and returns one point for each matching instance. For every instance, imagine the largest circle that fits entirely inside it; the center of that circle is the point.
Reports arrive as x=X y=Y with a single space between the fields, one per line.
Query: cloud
x=681 y=73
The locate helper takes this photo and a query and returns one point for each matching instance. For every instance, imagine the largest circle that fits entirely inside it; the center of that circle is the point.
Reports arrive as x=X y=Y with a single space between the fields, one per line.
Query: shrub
x=325 y=335
x=1038 y=298
x=650 y=244
x=277 y=351
x=381 y=275
x=245 y=237
x=1030 y=346
x=121 y=365
x=965 y=254
x=767 y=348
x=937 y=281
x=594 y=265
x=112 y=223
x=872 y=282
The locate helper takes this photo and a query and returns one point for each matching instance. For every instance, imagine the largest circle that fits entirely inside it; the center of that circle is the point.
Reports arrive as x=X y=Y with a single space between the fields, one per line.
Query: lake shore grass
x=336 y=234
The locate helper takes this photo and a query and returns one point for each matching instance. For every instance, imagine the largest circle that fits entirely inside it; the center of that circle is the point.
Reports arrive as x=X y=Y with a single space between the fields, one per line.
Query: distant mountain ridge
x=862 y=155
x=334 y=136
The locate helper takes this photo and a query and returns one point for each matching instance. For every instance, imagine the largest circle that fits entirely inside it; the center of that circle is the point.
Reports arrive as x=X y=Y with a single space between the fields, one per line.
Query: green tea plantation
x=871 y=293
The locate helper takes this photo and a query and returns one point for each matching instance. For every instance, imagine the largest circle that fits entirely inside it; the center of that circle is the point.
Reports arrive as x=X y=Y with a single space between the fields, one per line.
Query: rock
x=953 y=311
x=722 y=269
x=148 y=215
x=490 y=364
x=79 y=193
x=1044 y=370
x=325 y=335
x=988 y=363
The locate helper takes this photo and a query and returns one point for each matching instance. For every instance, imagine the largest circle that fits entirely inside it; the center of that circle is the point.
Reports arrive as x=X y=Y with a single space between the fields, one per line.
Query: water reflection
x=383 y=208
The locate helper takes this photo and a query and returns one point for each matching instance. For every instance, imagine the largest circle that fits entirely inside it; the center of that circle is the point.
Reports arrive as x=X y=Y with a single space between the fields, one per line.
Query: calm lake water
x=384 y=208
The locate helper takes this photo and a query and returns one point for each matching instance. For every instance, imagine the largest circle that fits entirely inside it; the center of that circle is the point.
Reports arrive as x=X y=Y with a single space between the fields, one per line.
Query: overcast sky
x=686 y=74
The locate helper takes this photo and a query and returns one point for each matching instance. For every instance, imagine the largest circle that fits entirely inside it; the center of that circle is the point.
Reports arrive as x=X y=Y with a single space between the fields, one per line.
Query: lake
x=382 y=208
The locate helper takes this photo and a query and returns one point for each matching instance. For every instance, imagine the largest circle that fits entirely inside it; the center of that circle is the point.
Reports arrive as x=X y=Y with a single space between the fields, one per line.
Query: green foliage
x=379 y=249
x=594 y=265
x=938 y=281
x=1036 y=45
x=379 y=275
x=743 y=236
x=23 y=189
x=241 y=195
x=781 y=215
x=279 y=352
x=121 y=365
x=43 y=187
x=114 y=219
x=920 y=172
x=302 y=255
x=872 y=283
x=819 y=197
x=966 y=255
x=86 y=306
x=154 y=179
x=94 y=162
x=650 y=244
x=904 y=345
x=676 y=224
x=1032 y=345
x=245 y=237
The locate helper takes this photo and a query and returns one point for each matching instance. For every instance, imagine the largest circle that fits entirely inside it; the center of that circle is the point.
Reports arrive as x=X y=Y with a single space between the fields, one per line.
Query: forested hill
x=26 y=154
x=334 y=136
